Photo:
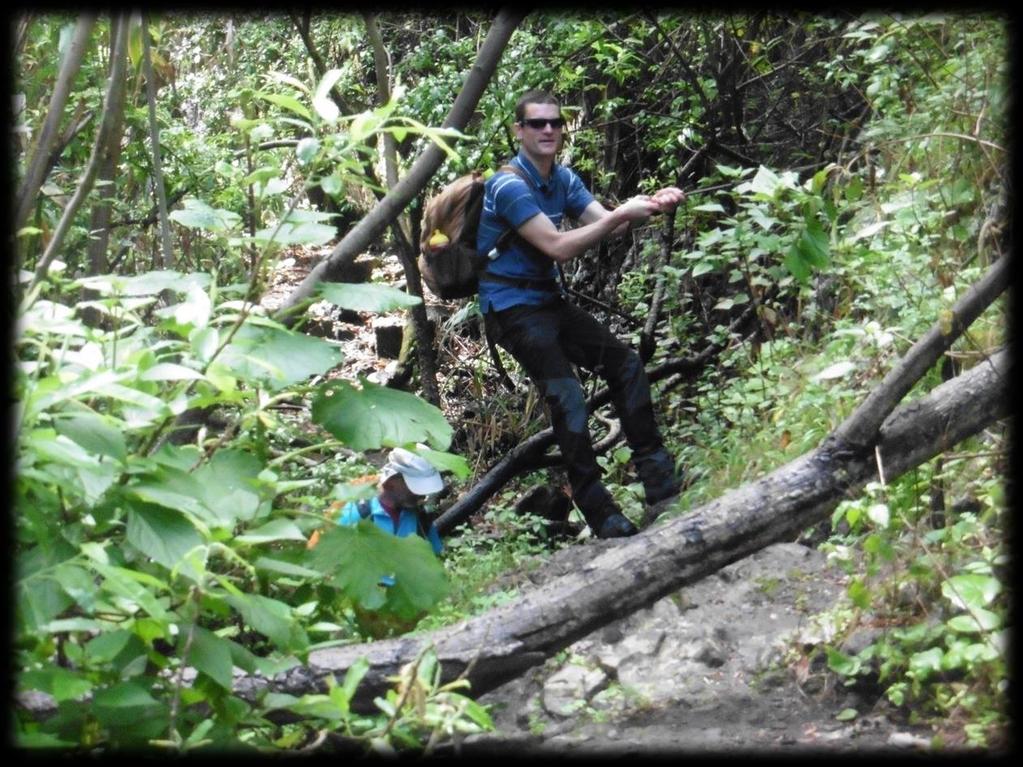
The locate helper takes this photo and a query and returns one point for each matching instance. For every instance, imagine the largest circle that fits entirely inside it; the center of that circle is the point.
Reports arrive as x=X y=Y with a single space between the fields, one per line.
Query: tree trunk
x=110 y=156
x=166 y=248
x=37 y=167
x=405 y=246
x=114 y=95
x=391 y=206
x=630 y=574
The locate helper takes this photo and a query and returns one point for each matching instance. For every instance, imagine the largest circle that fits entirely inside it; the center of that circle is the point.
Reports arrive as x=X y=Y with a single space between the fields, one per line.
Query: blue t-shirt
x=508 y=202
x=407 y=522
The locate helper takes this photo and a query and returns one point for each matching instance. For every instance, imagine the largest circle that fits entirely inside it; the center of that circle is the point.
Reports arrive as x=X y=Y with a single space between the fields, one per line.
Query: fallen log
x=629 y=574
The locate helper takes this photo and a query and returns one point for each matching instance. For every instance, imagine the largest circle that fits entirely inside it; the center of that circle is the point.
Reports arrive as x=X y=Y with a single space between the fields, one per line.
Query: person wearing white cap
x=405 y=480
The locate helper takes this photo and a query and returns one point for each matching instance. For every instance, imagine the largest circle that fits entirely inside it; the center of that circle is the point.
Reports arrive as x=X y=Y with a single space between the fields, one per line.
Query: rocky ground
x=700 y=671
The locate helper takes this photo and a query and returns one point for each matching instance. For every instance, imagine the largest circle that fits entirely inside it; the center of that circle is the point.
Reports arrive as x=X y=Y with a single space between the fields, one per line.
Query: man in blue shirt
x=404 y=482
x=527 y=314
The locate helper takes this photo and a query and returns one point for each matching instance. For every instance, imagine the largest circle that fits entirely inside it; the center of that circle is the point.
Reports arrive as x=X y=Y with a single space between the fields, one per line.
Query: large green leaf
x=196 y=214
x=306 y=233
x=162 y=534
x=96 y=433
x=357 y=558
x=367 y=297
x=970 y=591
x=130 y=712
x=276 y=357
x=145 y=284
x=209 y=654
x=444 y=461
x=228 y=485
x=370 y=416
x=274 y=530
x=272 y=618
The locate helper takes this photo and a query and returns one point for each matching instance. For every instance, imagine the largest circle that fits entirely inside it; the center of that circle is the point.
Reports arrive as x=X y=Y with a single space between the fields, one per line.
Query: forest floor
x=730 y=665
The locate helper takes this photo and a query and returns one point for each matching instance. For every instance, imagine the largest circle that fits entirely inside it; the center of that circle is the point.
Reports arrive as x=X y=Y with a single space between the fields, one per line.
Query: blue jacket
x=508 y=202
x=408 y=522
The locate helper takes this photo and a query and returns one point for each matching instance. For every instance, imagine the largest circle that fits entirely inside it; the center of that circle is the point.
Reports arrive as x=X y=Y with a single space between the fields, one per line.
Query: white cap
x=419 y=474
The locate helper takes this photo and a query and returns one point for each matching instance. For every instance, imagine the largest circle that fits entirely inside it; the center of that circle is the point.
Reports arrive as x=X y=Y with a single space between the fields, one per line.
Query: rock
x=908 y=740
x=860 y=639
x=643 y=643
x=570 y=688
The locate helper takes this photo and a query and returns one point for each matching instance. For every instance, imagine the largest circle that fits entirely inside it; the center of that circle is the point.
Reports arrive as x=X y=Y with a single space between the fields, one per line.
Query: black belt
x=548 y=285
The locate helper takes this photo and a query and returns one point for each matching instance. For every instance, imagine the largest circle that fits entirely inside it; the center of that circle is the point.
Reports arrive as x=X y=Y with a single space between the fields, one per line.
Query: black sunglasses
x=539 y=123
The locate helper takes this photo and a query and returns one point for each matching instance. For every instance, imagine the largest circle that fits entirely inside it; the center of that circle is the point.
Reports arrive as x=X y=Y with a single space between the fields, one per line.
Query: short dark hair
x=534 y=97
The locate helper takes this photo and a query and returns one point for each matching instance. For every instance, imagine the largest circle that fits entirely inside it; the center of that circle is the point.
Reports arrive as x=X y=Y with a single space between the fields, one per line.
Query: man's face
x=541 y=143
x=399 y=491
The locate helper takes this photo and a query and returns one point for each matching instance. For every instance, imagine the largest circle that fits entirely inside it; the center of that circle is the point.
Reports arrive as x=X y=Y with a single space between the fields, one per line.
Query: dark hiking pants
x=547 y=341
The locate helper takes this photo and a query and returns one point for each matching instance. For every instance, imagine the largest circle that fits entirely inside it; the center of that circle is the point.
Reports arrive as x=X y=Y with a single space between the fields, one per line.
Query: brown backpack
x=452 y=271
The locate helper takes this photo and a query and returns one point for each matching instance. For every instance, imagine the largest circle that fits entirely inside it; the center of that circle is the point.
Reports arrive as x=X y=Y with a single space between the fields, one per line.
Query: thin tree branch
x=860 y=430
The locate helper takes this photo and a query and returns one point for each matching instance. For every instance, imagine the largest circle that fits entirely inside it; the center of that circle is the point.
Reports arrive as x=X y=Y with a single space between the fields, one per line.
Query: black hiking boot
x=662 y=482
x=616 y=526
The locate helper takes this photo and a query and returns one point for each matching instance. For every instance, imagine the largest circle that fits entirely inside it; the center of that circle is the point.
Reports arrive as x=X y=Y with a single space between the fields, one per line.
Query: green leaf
x=271 y=618
x=107 y=646
x=274 y=530
x=371 y=416
x=358 y=557
x=971 y=591
x=846 y=714
x=228 y=485
x=879 y=514
x=976 y=621
x=285 y=568
x=288 y=102
x=198 y=215
x=296 y=234
x=923 y=664
x=204 y=341
x=332 y=184
x=813 y=244
x=322 y=102
x=306 y=150
x=129 y=709
x=797 y=265
x=96 y=433
x=193 y=312
x=59 y=682
x=837 y=370
x=169 y=371
x=276 y=357
x=702 y=267
x=367 y=297
x=209 y=654
x=859 y=594
x=443 y=461
x=841 y=663
x=162 y=534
